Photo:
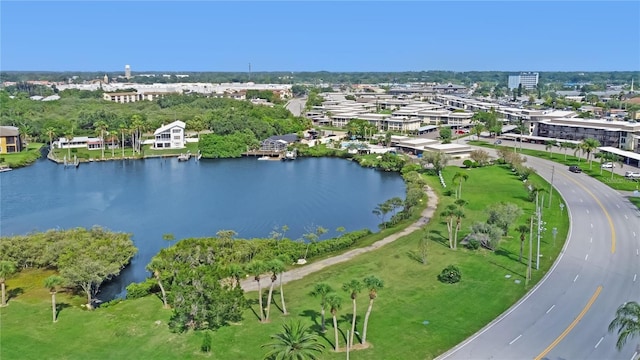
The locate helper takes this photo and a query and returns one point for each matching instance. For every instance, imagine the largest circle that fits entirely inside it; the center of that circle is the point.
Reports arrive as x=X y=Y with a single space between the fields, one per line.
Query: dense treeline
x=85 y=258
x=320 y=77
x=81 y=113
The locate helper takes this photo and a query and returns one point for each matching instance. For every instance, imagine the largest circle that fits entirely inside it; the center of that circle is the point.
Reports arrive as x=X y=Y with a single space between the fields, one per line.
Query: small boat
x=5 y=168
x=266 y=157
x=184 y=157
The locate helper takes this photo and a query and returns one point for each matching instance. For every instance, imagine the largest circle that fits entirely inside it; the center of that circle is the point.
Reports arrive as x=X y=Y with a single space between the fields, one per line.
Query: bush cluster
x=450 y=275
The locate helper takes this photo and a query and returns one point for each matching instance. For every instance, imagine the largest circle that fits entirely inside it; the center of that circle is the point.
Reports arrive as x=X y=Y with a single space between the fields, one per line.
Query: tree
x=123 y=130
x=52 y=283
x=101 y=126
x=295 y=343
x=373 y=284
x=548 y=146
x=275 y=267
x=588 y=145
x=478 y=128
x=503 y=215
x=93 y=257
x=256 y=268
x=436 y=159
x=479 y=156
x=453 y=215
x=7 y=268
x=334 y=302
x=523 y=230
x=156 y=266
x=627 y=321
x=445 y=134
x=381 y=211
x=51 y=132
x=321 y=290
x=69 y=136
x=353 y=288
x=457 y=179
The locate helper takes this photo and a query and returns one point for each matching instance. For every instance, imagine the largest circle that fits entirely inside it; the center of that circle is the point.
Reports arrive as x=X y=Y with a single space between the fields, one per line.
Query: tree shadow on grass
x=438 y=237
x=315 y=316
x=12 y=293
x=511 y=256
x=60 y=307
x=346 y=318
x=251 y=304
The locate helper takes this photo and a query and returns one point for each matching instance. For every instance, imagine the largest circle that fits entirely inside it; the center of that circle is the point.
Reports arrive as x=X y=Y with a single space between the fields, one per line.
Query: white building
x=529 y=80
x=91 y=143
x=170 y=136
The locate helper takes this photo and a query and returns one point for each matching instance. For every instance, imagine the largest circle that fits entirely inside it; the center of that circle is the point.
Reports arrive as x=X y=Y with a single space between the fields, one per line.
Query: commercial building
x=529 y=80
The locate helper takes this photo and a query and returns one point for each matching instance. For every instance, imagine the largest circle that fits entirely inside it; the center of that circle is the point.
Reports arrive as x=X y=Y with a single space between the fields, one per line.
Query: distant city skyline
x=357 y=36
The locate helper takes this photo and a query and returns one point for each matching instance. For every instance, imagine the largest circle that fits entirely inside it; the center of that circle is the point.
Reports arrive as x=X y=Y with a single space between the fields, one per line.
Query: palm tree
x=52 y=283
x=353 y=288
x=457 y=179
x=373 y=284
x=548 y=146
x=523 y=230
x=69 y=136
x=588 y=145
x=123 y=130
x=155 y=267
x=275 y=266
x=256 y=268
x=321 y=290
x=295 y=343
x=627 y=321
x=334 y=302
x=51 y=132
x=453 y=215
x=7 y=268
x=284 y=260
x=236 y=271
x=102 y=126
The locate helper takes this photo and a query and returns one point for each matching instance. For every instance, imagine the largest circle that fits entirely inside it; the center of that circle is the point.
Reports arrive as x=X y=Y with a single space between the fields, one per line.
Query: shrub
x=467 y=163
x=138 y=290
x=450 y=275
x=473 y=244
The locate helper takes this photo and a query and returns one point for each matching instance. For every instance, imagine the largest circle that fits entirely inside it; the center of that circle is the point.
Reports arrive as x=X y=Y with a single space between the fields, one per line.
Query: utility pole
x=530 y=251
x=539 y=229
x=553 y=170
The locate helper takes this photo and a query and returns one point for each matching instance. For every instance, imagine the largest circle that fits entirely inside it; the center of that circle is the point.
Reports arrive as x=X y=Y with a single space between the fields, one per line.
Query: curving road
x=567 y=314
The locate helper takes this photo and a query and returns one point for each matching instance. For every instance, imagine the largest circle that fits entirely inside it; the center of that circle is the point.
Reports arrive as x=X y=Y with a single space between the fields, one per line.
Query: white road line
x=590 y=240
x=634 y=277
x=618 y=206
x=634 y=355
x=586 y=257
x=576 y=278
x=516 y=339
x=637 y=252
x=626 y=217
x=587 y=211
x=634 y=234
x=551 y=308
x=599 y=341
x=581 y=200
x=592 y=226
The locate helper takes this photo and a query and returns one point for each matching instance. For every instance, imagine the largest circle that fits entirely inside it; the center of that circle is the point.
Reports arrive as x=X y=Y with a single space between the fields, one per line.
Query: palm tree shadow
x=250 y=305
x=346 y=318
x=314 y=315
x=511 y=256
x=14 y=293
x=60 y=307
x=439 y=238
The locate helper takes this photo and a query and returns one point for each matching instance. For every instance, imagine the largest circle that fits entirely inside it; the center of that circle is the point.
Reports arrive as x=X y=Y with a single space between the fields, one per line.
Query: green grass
x=396 y=330
x=614 y=180
x=25 y=157
x=86 y=154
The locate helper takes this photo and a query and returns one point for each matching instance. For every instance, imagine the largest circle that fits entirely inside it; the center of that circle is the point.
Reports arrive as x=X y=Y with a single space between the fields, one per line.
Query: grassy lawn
x=23 y=158
x=614 y=180
x=86 y=154
x=398 y=327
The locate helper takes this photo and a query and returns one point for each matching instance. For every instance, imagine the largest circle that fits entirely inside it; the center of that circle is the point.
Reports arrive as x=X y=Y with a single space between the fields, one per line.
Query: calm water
x=149 y=198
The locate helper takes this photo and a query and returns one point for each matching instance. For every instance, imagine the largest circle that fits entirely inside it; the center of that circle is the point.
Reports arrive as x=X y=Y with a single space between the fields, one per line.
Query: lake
x=152 y=197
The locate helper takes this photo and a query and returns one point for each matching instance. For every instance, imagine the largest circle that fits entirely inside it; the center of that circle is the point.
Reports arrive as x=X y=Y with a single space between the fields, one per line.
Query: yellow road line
x=606 y=214
x=572 y=325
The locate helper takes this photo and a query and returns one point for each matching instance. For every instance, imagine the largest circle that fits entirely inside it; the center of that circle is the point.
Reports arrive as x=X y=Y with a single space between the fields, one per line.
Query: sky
x=336 y=36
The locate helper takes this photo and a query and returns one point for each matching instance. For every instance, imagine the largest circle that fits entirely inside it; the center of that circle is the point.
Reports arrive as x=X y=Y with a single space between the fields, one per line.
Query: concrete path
x=303 y=270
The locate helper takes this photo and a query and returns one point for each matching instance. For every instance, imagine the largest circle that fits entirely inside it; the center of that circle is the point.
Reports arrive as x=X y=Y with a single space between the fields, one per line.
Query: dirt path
x=299 y=272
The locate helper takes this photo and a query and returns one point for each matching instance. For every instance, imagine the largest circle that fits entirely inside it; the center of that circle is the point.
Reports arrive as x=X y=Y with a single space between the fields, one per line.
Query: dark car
x=575 y=169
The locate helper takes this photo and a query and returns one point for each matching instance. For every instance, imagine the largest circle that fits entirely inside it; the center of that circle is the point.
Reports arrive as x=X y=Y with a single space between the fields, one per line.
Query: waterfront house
x=91 y=143
x=10 y=141
x=170 y=136
x=278 y=142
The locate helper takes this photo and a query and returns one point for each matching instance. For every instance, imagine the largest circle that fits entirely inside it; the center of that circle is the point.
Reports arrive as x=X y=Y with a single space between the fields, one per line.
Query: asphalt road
x=567 y=314
x=296 y=105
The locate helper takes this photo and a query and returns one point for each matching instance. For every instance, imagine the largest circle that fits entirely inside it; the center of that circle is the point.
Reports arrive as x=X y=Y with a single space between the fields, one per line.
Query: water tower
x=127 y=72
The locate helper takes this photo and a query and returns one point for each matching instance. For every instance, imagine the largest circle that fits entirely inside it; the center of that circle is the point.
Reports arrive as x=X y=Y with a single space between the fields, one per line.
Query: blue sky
x=315 y=36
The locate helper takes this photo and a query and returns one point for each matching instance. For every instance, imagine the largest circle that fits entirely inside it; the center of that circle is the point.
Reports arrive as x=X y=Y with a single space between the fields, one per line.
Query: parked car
x=632 y=175
x=608 y=165
x=575 y=169
x=497 y=142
